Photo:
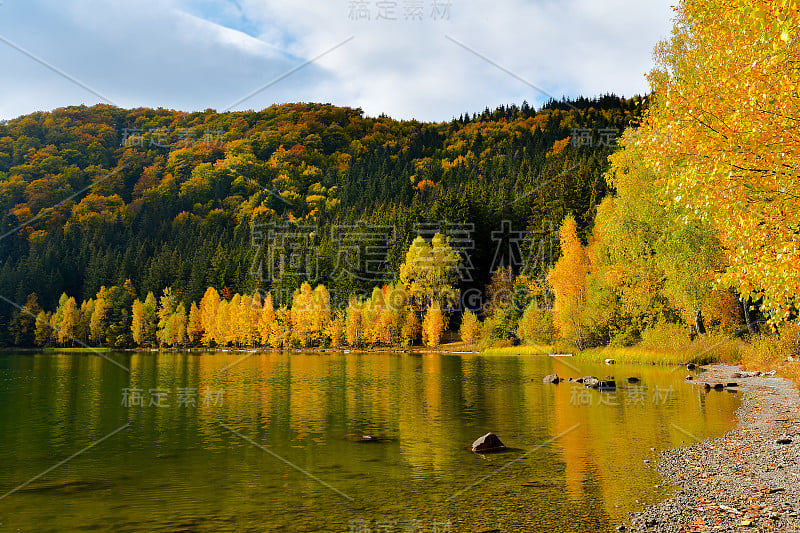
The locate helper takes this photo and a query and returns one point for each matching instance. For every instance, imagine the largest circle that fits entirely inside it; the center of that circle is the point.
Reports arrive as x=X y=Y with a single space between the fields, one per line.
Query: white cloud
x=164 y=54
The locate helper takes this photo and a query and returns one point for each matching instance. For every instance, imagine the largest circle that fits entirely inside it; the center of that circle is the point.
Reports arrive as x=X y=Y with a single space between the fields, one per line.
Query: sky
x=428 y=60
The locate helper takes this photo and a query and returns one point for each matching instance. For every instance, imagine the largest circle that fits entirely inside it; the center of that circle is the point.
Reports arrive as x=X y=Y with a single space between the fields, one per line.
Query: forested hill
x=93 y=196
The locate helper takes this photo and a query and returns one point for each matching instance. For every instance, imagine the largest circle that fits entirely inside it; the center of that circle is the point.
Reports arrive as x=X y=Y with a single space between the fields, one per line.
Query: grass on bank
x=668 y=345
x=525 y=349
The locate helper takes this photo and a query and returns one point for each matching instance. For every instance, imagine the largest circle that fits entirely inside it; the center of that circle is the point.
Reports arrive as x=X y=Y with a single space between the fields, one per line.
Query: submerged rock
x=488 y=443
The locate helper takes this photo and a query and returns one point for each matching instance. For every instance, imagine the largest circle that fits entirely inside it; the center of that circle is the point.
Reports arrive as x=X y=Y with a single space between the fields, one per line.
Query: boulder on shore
x=488 y=443
x=552 y=378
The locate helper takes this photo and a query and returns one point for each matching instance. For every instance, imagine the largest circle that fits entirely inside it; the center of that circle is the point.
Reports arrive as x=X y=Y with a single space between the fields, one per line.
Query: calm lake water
x=272 y=443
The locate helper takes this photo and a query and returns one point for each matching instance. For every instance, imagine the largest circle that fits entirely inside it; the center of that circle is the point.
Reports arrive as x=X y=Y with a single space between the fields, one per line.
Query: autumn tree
x=568 y=279
x=208 y=315
x=720 y=136
x=69 y=321
x=354 y=322
x=194 y=327
x=23 y=321
x=43 y=332
x=166 y=308
x=433 y=325
x=98 y=324
x=470 y=327
x=266 y=318
x=499 y=291
x=302 y=316
x=430 y=273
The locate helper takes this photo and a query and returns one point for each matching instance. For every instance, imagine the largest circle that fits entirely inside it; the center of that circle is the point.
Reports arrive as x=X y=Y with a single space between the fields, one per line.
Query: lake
x=191 y=441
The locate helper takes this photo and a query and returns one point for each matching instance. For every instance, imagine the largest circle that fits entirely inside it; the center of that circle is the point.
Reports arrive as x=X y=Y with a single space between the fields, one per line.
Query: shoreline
x=744 y=480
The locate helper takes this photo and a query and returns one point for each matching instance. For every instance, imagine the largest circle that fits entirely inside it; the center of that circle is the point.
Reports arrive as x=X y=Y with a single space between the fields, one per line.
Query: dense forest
x=97 y=199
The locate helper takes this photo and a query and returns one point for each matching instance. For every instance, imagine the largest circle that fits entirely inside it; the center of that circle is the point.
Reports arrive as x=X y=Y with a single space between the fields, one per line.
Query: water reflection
x=217 y=462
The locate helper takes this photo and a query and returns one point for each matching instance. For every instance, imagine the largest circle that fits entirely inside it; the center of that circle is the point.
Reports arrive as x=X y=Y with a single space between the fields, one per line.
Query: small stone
x=689 y=377
x=746 y=522
x=718 y=386
x=488 y=443
x=732 y=384
x=784 y=440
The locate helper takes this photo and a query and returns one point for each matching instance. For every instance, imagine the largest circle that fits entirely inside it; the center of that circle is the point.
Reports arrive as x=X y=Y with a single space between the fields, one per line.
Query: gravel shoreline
x=744 y=480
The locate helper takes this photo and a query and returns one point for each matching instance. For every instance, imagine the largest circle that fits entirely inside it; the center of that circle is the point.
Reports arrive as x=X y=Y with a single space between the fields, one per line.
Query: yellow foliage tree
x=410 y=330
x=470 y=327
x=194 y=326
x=721 y=130
x=354 y=326
x=433 y=325
x=302 y=316
x=568 y=280
x=209 y=305
x=265 y=319
x=430 y=273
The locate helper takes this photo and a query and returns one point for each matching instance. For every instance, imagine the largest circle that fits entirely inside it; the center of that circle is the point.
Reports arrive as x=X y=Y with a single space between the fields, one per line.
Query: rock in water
x=691 y=366
x=633 y=380
x=607 y=384
x=609 y=361
x=591 y=381
x=488 y=443
x=552 y=378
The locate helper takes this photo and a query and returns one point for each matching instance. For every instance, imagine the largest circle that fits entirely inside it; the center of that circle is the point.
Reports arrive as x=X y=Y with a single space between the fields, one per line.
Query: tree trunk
x=698 y=323
x=746 y=309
